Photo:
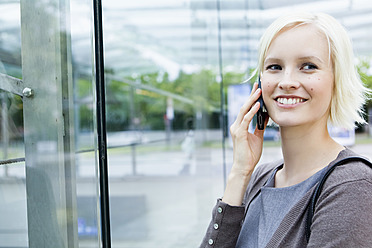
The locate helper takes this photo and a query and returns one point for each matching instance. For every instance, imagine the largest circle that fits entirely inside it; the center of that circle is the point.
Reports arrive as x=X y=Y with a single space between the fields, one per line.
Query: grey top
x=342 y=216
x=268 y=209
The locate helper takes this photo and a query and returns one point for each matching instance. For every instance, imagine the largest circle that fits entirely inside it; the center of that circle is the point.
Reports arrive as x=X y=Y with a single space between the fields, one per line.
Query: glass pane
x=163 y=112
x=159 y=57
x=61 y=206
x=10 y=39
x=163 y=121
x=13 y=213
x=84 y=114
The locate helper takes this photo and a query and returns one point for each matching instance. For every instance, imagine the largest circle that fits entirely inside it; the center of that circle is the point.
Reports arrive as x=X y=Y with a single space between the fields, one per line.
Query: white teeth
x=289 y=101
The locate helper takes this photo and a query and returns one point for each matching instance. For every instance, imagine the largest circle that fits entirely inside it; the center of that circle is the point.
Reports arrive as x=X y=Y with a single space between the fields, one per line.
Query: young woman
x=308 y=81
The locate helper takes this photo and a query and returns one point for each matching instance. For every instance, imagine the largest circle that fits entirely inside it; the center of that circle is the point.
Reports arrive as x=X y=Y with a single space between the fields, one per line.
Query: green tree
x=364 y=70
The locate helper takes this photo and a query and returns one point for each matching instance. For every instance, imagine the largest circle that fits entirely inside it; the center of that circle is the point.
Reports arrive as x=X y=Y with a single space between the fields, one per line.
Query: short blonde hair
x=349 y=94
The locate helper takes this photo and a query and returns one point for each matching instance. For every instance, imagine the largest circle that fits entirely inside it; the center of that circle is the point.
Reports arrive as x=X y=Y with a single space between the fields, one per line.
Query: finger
x=249 y=116
x=253 y=91
x=254 y=88
x=255 y=94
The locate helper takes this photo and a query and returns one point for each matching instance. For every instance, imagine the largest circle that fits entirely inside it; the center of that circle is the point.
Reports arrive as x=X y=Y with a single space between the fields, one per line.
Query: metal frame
x=11 y=84
x=101 y=124
x=48 y=124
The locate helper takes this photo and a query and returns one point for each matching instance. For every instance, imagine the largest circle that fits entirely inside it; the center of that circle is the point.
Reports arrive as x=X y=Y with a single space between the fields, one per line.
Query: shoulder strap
x=319 y=187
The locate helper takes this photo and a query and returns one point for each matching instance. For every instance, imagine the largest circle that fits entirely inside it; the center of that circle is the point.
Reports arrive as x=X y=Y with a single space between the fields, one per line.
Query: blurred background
x=173 y=73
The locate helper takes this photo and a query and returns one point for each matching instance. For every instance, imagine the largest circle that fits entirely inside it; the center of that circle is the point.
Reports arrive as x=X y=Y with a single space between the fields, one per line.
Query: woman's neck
x=305 y=151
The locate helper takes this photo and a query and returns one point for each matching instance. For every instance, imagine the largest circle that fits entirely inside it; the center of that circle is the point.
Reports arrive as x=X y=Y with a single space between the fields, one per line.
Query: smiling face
x=297 y=77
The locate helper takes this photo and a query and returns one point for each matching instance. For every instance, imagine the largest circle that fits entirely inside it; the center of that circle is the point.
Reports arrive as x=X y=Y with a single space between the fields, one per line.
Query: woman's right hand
x=247 y=149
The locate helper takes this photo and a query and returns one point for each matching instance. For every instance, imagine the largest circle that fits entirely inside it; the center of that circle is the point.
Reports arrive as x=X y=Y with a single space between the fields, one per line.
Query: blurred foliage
x=138 y=108
x=365 y=73
x=135 y=108
x=132 y=107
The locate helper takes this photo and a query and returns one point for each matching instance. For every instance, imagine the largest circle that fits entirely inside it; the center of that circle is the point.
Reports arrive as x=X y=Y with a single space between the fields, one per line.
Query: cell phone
x=262 y=112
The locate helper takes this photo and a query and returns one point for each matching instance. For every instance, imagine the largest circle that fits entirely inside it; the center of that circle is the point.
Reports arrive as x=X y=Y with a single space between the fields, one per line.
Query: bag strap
x=317 y=191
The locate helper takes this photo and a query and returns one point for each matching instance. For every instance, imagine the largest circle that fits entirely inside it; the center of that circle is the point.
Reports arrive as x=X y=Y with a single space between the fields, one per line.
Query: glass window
x=163 y=121
x=84 y=111
x=13 y=214
x=13 y=227
x=173 y=71
x=48 y=119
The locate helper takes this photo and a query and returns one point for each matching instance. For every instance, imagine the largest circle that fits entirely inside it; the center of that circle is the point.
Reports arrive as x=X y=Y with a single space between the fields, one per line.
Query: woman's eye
x=273 y=67
x=309 y=66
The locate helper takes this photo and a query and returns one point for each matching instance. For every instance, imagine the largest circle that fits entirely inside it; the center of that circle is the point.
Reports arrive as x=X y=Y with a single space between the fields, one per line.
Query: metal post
x=134 y=160
x=222 y=93
x=101 y=124
x=48 y=124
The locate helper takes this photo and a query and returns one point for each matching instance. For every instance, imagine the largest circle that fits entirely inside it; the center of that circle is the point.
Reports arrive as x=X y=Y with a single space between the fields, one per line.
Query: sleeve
x=224 y=228
x=343 y=216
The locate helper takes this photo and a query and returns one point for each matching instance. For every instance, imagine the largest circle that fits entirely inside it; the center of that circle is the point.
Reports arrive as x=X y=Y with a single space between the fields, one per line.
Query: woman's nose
x=288 y=82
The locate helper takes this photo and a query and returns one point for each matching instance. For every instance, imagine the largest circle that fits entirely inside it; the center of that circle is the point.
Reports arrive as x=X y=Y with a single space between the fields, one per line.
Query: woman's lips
x=289 y=100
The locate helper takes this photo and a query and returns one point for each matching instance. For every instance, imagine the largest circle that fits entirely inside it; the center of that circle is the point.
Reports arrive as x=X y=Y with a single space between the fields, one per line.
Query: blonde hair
x=349 y=94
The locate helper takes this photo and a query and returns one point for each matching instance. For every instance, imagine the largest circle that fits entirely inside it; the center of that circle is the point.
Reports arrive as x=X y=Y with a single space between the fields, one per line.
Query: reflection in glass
x=163 y=111
x=10 y=39
x=13 y=227
x=13 y=214
x=84 y=124
x=163 y=122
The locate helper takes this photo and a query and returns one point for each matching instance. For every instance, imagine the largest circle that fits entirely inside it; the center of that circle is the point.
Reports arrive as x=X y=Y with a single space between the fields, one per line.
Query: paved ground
x=177 y=207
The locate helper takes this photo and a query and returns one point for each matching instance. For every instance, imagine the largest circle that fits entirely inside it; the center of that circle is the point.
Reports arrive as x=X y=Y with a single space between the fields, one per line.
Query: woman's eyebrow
x=270 y=60
x=311 y=58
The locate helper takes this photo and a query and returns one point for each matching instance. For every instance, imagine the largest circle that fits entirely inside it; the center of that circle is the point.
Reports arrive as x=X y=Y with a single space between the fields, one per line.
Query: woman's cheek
x=266 y=91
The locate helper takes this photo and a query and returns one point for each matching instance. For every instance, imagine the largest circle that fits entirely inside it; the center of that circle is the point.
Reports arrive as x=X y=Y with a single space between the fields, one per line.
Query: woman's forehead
x=305 y=40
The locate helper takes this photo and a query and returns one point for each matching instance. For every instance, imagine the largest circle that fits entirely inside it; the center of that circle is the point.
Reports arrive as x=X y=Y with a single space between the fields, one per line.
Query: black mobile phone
x=262 y=112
